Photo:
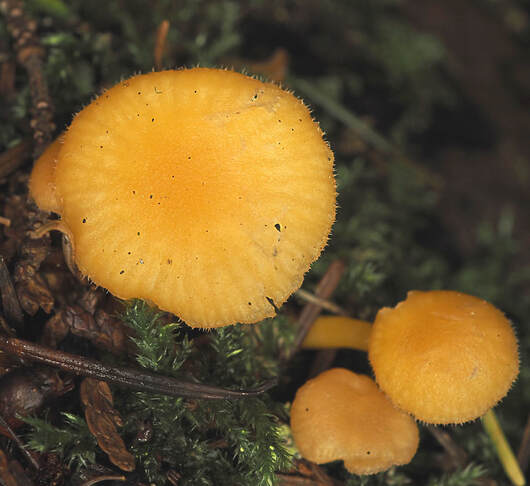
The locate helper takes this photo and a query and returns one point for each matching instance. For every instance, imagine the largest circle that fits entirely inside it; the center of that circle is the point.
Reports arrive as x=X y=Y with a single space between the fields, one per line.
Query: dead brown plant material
x=30 y=55
x=102 y=420
x=14 y=437
x=457 y=456
x=274 y=68
x=312 y=310
x=14 y=157
x=10 y=304
x=324 y=303
x=524 y=449
x=103 y=330
x=32 y=290
x=12 y=473
x=24 y=391
x=133 y=378
x=306 y=473
x=160 y=43
x=7 y=78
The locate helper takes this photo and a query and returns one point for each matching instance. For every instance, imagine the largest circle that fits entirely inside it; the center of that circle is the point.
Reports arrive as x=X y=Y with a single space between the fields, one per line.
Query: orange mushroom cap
x=343 y=415
x=205 y=191
x=443 y=356
x=42 y=179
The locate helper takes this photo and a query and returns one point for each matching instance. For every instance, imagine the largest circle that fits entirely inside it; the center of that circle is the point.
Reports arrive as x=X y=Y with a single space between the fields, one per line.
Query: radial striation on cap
x=443 y=356
x=204 y=191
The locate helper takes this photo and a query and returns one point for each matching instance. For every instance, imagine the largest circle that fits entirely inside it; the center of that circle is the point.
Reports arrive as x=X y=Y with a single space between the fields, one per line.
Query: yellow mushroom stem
x=338 y=332
x=504 y=451
x=346 y=332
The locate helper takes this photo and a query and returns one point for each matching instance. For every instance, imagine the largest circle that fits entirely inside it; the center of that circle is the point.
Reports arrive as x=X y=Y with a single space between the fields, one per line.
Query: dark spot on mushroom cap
x=271 y=302
x=278 y=226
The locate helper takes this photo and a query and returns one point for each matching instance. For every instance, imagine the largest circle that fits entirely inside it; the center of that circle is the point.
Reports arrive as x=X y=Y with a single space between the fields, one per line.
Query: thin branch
x=290 y=480
x=311 y=311
x=99 y=479
x=19 y=443
x=30 y=54
x=365 y=132
x=324 y=303
x=160 y=43
x=323 y=360
x=458 y=456
x=10 y=302
x=524 y=449
x=136 y=379
x=14 y=157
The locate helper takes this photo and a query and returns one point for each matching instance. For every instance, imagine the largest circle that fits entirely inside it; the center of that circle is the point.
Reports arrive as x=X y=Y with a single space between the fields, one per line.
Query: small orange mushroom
x=204 y=191
x=443 y=356
x=42 y=179
x=343 y=415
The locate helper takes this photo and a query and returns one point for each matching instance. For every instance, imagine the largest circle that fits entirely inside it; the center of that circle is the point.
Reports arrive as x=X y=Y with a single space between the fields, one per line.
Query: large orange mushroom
x=204 y=191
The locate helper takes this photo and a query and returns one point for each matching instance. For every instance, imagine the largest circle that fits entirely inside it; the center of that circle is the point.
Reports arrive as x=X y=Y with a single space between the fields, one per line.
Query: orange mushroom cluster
x=204 y=191
x=440 y=357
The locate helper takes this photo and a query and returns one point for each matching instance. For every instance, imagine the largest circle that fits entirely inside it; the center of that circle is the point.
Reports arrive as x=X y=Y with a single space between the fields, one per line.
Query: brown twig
x=136 y=379
x=30 y=54
x=458 y=456
x=7 y=77
x=524 y=449
x=311 y=311
x=308 y=474
x=324 y=303
x=33 y=292
x=290 y=480
x=99 y=479
x=10 y=302
x=160 y=43
x=323 y=360
x=14 y=157
x=12 y=473
x=19 y=444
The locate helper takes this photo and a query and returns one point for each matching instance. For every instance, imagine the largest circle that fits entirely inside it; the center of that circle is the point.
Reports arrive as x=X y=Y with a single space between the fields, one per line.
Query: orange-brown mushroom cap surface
x=443 y=356
x=343 y=415
x=205 y=191
x=42 y=179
